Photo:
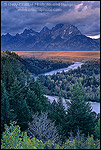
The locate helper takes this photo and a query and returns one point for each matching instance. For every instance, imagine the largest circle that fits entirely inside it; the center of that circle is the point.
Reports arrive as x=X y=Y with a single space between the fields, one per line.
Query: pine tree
x=58 y=114
x=15 y=93
x=27 y=76
x=97 y=130
x=23 y=114
x=60 y=110
x=7 y=73
x=42 y=102
x=79 y=112
x=5 y=107
x=7 y=114
x=36 y=87
x=18 y=103
x=32 y=100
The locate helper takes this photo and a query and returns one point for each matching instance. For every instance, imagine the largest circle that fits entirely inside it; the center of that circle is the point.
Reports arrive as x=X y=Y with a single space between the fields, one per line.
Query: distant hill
x=97 y=40
x=36 y=66
x=61 y=37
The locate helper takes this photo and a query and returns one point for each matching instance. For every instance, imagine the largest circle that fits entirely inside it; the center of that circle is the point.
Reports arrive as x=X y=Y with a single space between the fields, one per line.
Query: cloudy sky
x=18 y=15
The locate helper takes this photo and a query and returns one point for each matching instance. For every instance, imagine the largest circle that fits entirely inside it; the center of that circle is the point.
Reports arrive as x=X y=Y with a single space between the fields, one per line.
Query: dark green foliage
x=79 y=112
x=14 y=81
x=10 y=68
x=18 y=103
x=5 y=107
x=58 y=114
x=20 y=95
x=88 y=75
x=38 y=66
x=7 y=113
x=31 y=99
x=41 y=103
x=97 y=130
x=13 y=55
x=35 y=86
x=7 y=73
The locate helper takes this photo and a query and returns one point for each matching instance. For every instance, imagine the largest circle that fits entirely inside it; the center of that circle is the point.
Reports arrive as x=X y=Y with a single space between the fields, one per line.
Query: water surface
x=95 y=105
x=71 y=67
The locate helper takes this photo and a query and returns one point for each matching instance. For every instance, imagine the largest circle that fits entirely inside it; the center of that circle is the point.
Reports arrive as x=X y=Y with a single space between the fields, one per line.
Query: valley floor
x=65 y=55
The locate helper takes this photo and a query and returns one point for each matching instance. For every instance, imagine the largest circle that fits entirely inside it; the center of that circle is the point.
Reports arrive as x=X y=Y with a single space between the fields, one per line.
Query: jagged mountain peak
x=17 y=34
x=45 y=28
x=60 y=25
x=66 y=31
x=7 y=35
x=28 y=31
x=63 y=25
x=61 y=37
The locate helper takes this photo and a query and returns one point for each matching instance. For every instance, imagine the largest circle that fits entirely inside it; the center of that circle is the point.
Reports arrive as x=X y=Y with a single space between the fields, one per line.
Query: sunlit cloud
x=94 y=37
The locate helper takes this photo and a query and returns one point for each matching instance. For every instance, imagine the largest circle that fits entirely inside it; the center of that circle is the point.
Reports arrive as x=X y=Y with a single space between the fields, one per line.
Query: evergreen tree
x=79 y=112
x=6 y=112
x=42 y=102
x=15 y=93
x=60 y=110
x=97 y=130
x=18 y=103
x=27 y=76
x=5 y=107
x=7 y=73
x=58 y=114
x=32 y=100
x=23 y=114
x=35 y=86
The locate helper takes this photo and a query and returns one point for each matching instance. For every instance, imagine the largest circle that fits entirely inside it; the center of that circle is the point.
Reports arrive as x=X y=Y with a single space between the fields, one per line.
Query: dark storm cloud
x=83 y=14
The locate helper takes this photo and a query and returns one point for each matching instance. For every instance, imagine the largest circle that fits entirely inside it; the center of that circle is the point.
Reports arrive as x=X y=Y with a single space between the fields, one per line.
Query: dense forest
x=39 y=66
x=88 y=75
x=30 y=121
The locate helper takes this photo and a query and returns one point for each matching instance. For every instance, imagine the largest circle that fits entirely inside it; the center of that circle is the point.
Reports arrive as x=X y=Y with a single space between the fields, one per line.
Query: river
x=74 y=66
x=95 y=106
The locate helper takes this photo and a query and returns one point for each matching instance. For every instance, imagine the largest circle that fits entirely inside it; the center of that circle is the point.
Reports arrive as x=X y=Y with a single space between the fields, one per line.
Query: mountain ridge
x=61 y=37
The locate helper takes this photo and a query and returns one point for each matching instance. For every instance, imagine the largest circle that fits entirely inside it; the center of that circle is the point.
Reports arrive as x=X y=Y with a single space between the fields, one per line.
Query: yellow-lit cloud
x=94 y=37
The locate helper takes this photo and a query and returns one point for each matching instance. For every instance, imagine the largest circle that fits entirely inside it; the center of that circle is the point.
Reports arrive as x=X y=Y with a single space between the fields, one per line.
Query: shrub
x=13 y=138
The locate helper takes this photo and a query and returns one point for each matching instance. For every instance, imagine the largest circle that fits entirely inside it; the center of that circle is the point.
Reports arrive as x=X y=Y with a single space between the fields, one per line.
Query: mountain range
x=62 y=37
